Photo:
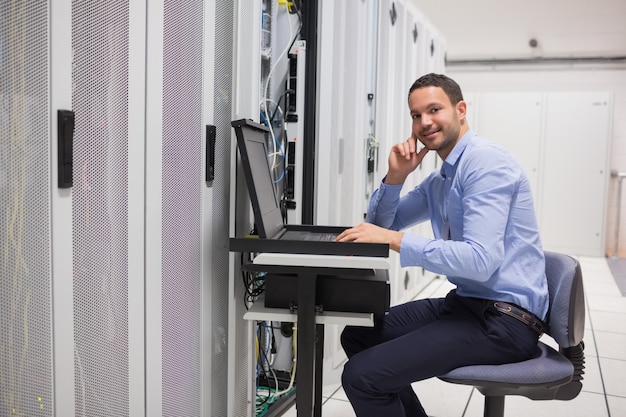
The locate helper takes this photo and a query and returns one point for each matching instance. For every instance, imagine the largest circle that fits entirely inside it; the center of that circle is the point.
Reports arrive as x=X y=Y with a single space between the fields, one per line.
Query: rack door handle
x=210 y=152
x=65 y=145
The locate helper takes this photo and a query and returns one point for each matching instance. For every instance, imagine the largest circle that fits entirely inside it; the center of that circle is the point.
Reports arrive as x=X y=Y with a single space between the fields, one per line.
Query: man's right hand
x=403 y=159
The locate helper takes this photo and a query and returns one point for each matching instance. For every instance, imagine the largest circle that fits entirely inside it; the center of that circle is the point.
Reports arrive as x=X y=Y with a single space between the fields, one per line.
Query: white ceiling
x=485 y=29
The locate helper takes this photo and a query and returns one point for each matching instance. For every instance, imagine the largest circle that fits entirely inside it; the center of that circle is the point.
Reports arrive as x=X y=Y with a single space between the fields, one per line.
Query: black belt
x=518 y=313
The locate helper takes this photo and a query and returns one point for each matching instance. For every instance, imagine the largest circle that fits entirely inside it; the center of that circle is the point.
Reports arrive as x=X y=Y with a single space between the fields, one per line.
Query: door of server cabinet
x=108 y=287
x=26 y=353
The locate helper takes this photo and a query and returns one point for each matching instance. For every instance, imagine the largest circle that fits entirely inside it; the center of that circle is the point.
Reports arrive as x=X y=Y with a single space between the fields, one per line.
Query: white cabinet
x=515 y=122
x=576 y=175
x=561 y=140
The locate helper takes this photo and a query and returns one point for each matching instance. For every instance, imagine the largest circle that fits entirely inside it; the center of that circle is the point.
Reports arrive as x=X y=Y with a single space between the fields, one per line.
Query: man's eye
x=435 y=109
x=415 y=116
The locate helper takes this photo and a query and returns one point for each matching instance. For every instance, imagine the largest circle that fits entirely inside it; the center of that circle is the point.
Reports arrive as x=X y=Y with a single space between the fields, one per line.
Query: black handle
x=210 y=152
x=65 y=144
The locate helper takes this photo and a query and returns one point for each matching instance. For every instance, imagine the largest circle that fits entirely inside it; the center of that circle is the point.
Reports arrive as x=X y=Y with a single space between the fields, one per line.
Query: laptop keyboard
x=309 y=236
x=322 y=237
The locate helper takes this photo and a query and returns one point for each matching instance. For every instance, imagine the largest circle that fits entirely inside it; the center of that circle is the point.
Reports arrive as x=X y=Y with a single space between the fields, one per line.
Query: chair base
x=494 y=407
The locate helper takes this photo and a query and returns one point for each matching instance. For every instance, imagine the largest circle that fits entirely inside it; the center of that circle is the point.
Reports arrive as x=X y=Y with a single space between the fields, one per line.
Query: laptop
x=273 y=234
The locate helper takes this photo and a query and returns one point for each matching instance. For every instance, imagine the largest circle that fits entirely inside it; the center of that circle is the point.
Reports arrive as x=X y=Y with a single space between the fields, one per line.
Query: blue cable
x=282 y=154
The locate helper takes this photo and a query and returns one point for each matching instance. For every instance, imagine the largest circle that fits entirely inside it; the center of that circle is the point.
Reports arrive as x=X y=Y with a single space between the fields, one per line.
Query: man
x=486 y=242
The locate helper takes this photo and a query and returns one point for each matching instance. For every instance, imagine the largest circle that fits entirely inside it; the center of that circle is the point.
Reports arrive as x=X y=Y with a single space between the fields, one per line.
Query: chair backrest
x=566 y=317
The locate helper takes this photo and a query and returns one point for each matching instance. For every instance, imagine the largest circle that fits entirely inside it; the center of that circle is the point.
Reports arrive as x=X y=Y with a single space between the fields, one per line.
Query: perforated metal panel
x=222 y=102
x=182 y=207
x=100 y=206
x=25 y=297
x=245 y=104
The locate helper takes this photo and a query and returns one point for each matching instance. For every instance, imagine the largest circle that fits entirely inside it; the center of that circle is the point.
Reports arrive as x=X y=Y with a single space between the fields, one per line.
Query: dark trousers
x=423 y=339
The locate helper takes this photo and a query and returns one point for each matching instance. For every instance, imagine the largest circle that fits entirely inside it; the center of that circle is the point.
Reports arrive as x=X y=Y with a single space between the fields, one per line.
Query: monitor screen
x=252 y=144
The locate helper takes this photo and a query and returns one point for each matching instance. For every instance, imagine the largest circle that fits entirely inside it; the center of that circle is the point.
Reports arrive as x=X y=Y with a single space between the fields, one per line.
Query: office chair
x=550 y=375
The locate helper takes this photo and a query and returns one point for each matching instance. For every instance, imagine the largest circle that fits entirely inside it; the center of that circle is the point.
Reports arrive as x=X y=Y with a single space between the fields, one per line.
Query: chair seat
x=548 y=368
x=550 y=374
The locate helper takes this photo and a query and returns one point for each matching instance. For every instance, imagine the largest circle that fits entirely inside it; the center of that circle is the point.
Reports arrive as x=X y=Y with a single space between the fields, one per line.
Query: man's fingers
x=411 y=145
x=344 y=236
x=422 y=152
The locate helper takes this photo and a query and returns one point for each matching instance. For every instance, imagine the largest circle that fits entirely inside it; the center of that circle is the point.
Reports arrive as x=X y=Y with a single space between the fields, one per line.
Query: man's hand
x=403 y=159
x=370 y=233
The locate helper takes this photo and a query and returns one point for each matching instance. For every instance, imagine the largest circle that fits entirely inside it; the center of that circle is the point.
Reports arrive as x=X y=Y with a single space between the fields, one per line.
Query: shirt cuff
x=412 y=250
x=383 y=202
x=396 y=188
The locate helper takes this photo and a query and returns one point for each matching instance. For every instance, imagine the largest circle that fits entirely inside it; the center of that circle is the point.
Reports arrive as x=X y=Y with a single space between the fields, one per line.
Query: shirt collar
x=448 y=167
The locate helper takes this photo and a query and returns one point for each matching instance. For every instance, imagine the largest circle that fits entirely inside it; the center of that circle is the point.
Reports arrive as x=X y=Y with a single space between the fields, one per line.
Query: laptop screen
x=252 y=144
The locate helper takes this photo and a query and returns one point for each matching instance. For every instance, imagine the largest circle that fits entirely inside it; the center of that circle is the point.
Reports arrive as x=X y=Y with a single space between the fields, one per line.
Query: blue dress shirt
x=481 y=209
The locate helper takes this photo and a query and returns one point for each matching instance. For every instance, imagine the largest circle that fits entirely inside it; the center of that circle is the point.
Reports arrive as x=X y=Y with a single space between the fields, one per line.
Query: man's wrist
x=394 y=179
x=396 y=241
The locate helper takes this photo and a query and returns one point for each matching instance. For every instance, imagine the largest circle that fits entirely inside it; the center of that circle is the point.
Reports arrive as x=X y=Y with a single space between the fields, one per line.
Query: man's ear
x=461 y=109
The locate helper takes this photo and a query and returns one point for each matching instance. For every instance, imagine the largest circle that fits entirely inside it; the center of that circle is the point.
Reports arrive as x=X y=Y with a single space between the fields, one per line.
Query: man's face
x=436 y=122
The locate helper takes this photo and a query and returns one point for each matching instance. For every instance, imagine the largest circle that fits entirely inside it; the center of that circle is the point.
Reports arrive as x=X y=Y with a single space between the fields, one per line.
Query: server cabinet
x=114 y=285
x=72 y=347
x=404 y=54
x=189 y=106
x=344 y=117
x=26 y=353
x=106 y=279
x=179 y=280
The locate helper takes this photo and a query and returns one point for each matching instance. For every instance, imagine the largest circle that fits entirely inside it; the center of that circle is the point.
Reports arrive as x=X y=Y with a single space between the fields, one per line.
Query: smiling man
x=486 y=241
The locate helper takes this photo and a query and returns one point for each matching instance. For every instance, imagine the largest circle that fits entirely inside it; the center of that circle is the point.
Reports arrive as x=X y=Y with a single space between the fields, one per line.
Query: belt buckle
x=499 y=305
x=520 y=315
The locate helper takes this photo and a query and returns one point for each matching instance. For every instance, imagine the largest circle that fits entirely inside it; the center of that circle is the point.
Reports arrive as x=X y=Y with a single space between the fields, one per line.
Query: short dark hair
x=447 y=84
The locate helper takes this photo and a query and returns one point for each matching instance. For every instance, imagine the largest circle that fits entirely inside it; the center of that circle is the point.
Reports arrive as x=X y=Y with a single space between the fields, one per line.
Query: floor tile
x=328 y=390
x=585 y=405
x=610 y=345
x=617 y=406
x=595 y=268
x=601 y=288
x=341 y=395
x=331 y=408
x=614 y=377
x=609 y=304
x=608 y=322
x=337 y=408
x=441 y=398
x=592 y=378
